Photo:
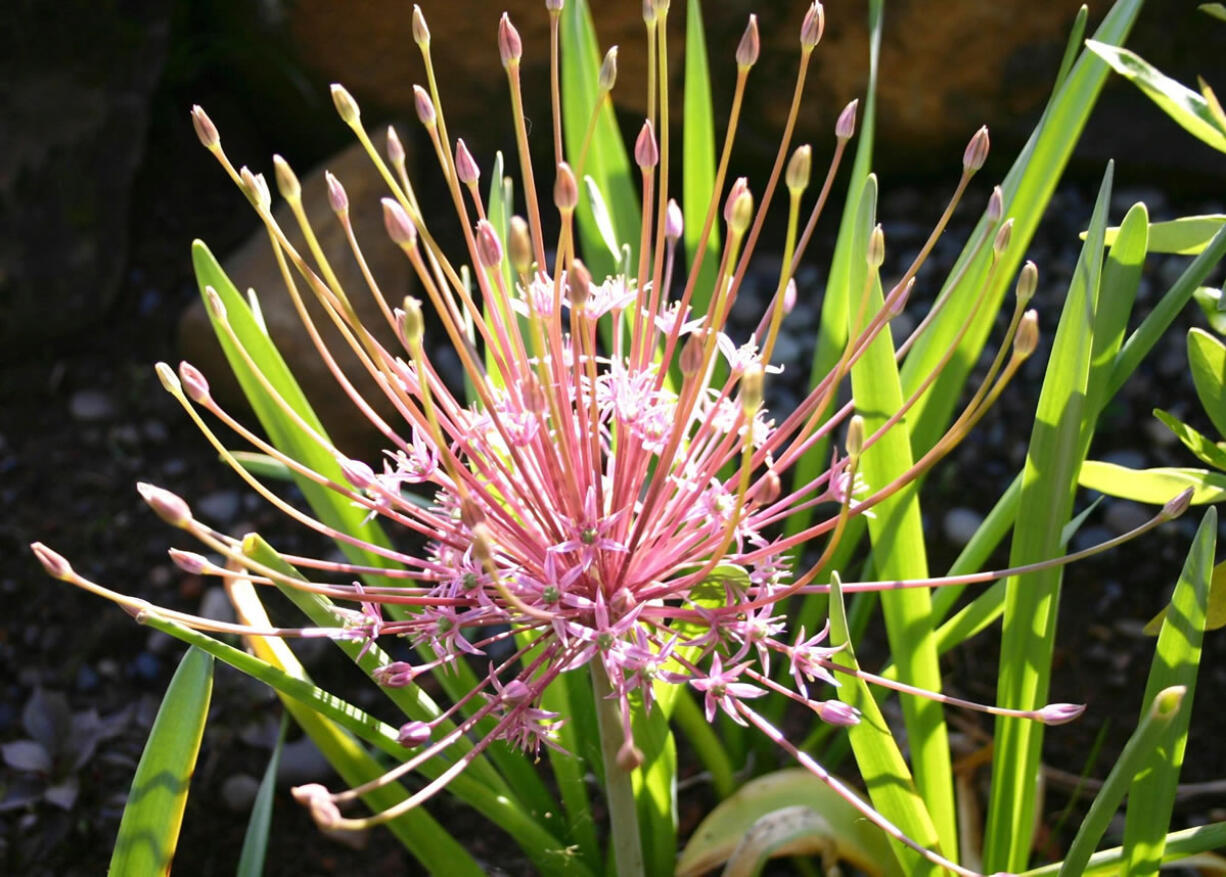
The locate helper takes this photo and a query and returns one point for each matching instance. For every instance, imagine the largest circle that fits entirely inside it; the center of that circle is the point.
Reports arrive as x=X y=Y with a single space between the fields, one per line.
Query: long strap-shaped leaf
x=149 y=829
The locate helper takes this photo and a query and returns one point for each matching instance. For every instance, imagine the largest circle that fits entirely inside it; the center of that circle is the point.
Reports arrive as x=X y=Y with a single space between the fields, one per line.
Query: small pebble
x=1123 y=516
x=960 y=525
x=216 y=606
x=147 y=667
x=238 y=792
x=91 y=406
x=155 y=431
x=302 y=762
x=220 y=505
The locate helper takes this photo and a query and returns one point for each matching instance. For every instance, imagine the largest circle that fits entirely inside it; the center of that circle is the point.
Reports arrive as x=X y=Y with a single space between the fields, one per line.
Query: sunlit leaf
x=1194 y=440
x=1185 y=236
x=1207 y=359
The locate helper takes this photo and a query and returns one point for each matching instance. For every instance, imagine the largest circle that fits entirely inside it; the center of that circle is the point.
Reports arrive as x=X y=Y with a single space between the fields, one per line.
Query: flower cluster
x=612 y=494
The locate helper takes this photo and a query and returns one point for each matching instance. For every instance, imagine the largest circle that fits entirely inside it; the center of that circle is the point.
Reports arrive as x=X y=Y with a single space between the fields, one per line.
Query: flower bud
x=674 y=222
x=742 y=212
x=412 y=324
x=395 y=149
x=400 y=227
x=466 y=169
x=483 y=549
x=1027 y=337
x=553 y=5
x=287 y=181
x=797 y=176
x=316 y=798
x=876 y=247
x=1060 y=713
x=519 y=245
x=424 y=106
x=768 y=489
x=565 y=189
x=608 y=71
x=337 y=198
x=578 y=284
x=855 y=436
x=741 y=184
x=996 y=205
x=812 y=27
x=646 y=153
x=845 y=126
x=789 y=296
x=691 y=355
x=1177 y=504
x=191 y=562
x=170 y=507
x=516 y=692
x=413 y=734
x=56 y=565
x=194 y=381
x=421 y=33
x=397 y=674
x=1003 y=235
x=489 y=248
x=976 y=151
x=835 y=712
x=750 y=46
x=900 y=300
x=170 y=381
x=357 y=473
x=256 y=188
x=534 y=394
x=205 y=129
x=751 y=389
x=1027 y=282
x=216 y=307
x=510 y=46
x=649 y=12
x=629 y=756
x=346 y=106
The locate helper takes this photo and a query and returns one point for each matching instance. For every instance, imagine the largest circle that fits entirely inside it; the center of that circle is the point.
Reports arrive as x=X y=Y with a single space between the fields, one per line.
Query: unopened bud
x=554 y=5
x=357 y=473
x=1027 y=338
x=510 y=46
x=876 y=247
x=489 y=248
x=519 y=245
x=996 y=206
x=789 y=297
x=191 y=562
x=845 y=126
x=976 y=151
x=194 y=381
x=516 y=692
x=835 y=712
x=213 y=303
x=534 y=394
x=256 y=188
x=899 y=302
x=629 y=756
x=395 y=149
x=421 y=33
x=855 y=436
x=742 y=212
x=412 y=324
x=1178 y=504
x=1027 y=282
x=319 y=802
x=413 y=734
x=346 y=106
x=287 y=181
x=646 y=153
x=741 y=184
x=483 y=548
x=397 y=674
x=1060 y=713
x=170 y=381
x=608 y=71
x=674 y=222
x=205 y=129
x=1003 y=235
x=750 y=46
x=56 y=565
x=466 y=169
x=578 y=284
x=337 y=198
x=565 y=189
x=812 y=27
x=399 y=226
x=691 y=355
x=649 y=12
x=797 y=176
x=424 y=106
x=170 y=507
x=768 y=489
x=751 y=389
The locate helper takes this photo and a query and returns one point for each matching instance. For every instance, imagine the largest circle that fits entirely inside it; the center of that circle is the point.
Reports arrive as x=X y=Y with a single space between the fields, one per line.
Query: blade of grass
x=255 y=841
x=1175 y=664
x=698 y=146
x=149 y=829
x=1179 y=845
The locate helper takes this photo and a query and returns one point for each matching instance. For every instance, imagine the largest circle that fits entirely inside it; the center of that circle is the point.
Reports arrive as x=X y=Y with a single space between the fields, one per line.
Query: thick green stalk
x=624 y=843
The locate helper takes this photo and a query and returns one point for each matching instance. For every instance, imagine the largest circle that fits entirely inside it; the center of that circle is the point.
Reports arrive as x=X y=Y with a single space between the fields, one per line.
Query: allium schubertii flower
x=613 y=494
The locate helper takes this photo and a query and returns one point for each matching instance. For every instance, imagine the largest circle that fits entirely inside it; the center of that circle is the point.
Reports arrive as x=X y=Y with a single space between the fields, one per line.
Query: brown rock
x=253 y=266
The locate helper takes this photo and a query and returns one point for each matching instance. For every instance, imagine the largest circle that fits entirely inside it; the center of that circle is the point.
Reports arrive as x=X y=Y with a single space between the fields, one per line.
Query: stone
x=91 y=406
x=239 y=791
x=960 y=525
x=253 y=266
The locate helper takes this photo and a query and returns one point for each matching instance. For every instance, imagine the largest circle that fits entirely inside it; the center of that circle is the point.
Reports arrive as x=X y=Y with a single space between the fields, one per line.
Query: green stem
x=625 y=845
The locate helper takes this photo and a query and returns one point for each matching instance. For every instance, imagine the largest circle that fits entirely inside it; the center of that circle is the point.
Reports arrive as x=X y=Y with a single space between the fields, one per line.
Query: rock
x=1123 y=516
x=78 y=83
x=216 y=605
x=253 y=266
x=238 y=792
x=91 y=406
x=960 y=525
x=301 y=762
x=220 y=506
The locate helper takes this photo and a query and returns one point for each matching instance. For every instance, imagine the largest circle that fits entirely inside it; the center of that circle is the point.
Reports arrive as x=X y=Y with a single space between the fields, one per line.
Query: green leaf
x=1155 y=486
x=149 y=829
x=1058 y=443
x=1185 y=236
x=1207 y=359
x=1180 y=845
x=1176 y=660
x=601 y=217
x=263 y=466
x=841 y=830
x=255 y=841
x=1181 y=103
x=698 y=155
x=1213 y=306
x=1215 y=614
x=1217 y=10
x=1166 y=706
x=1194 y=440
